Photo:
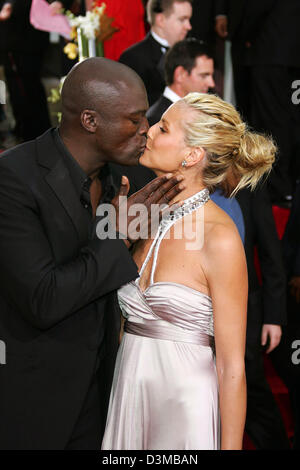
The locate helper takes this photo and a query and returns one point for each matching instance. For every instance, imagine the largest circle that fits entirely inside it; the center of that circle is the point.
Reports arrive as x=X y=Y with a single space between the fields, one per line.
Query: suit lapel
x=59 y=180
x=156 y=51
x=164 y=104
x=157 y=56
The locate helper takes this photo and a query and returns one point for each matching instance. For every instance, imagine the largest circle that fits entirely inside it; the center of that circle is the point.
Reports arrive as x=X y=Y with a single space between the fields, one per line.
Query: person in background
x=266 y=62
x=23 y=51
x=170 y=23
x=189 y=67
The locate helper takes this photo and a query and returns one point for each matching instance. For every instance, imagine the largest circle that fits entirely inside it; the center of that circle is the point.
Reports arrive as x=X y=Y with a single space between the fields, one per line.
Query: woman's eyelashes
x=162 y=130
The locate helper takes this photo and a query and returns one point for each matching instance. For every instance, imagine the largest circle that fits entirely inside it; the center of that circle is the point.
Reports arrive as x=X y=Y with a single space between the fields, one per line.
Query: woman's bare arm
x=226 y=271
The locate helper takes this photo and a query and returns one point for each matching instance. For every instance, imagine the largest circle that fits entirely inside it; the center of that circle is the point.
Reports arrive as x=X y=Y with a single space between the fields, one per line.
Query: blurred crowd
x=177 y=47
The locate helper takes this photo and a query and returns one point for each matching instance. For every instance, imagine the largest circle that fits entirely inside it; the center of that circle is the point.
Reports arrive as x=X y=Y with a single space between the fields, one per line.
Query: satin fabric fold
x=153 y=330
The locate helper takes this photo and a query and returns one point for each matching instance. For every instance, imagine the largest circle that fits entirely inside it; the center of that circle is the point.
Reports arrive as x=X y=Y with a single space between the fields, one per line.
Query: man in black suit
x=265 y=315
x=170 y=22
x=58 y=314
x=189 y=67
x=265 y=55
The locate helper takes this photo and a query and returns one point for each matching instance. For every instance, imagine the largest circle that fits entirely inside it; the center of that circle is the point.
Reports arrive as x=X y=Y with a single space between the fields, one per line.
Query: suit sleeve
x=296 y=266
x=291 y=237
x=46 y=293
x=271 y=260
x=133 y=60
x=255 y=17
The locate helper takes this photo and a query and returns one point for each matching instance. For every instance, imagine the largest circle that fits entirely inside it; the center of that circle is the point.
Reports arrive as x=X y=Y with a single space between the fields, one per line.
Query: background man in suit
x=189 y=67
x=170 y=22
x=266 y=60
x=58 y=313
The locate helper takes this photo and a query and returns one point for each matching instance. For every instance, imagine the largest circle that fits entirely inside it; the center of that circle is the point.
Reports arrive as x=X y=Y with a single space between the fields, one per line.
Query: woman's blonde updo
x=231 y=149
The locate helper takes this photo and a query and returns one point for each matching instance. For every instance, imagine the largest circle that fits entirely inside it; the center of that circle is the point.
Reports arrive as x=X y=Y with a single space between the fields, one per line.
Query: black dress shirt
x=110 y=180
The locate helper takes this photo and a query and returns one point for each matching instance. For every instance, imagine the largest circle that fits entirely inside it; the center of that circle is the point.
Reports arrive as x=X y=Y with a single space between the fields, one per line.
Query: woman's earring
x=184 y=163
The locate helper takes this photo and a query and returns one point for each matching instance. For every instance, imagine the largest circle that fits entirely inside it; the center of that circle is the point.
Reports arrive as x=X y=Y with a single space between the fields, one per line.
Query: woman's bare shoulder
x=221 y=233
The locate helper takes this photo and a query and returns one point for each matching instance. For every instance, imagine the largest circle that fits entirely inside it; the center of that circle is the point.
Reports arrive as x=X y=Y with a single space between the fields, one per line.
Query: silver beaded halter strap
x=190 y=205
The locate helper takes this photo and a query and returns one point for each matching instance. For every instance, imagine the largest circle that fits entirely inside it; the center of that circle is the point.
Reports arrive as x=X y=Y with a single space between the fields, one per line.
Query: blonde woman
x=179 y=381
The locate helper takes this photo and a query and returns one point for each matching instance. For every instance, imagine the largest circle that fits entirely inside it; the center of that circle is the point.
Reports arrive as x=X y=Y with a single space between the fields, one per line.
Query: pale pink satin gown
x=165 y=388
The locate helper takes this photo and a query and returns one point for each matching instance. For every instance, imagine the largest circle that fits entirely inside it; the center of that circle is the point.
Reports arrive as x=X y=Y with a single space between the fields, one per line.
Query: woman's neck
x=189 y=191
x=193 y=184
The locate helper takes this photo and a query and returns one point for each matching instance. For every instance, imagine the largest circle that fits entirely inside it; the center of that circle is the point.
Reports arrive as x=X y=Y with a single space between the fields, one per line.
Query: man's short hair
x=184 y=53
x=160 y=6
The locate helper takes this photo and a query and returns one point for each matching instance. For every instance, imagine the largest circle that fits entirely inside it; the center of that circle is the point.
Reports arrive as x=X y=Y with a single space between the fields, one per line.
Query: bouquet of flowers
x=88 y=32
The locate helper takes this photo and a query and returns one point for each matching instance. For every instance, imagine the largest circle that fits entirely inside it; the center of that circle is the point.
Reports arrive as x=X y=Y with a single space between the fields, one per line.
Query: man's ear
x=160 y=20
x=195 y=156
x=179 y=74
x=89 y=120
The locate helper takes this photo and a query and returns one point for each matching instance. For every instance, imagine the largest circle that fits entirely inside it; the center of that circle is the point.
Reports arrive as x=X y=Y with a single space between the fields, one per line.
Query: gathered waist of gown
x=150 y=329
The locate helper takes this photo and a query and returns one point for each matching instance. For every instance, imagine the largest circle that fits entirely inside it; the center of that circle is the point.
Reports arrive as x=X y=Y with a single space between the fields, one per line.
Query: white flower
x=90 y=23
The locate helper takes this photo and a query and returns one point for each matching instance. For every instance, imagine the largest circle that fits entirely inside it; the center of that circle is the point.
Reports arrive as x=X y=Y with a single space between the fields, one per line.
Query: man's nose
x=188 y=25
x=211 y=82
x=144 y=126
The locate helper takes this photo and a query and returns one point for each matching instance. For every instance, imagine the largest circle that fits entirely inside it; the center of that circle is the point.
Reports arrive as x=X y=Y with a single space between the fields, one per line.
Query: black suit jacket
x=291 y=238
x=266 y=303
x=202 y=21
x=146 y=58
x=271 y=26
x=156 y=111
x=58 y=311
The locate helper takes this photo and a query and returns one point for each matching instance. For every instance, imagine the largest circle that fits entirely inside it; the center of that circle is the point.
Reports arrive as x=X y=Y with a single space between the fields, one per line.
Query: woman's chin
x=143 y=160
